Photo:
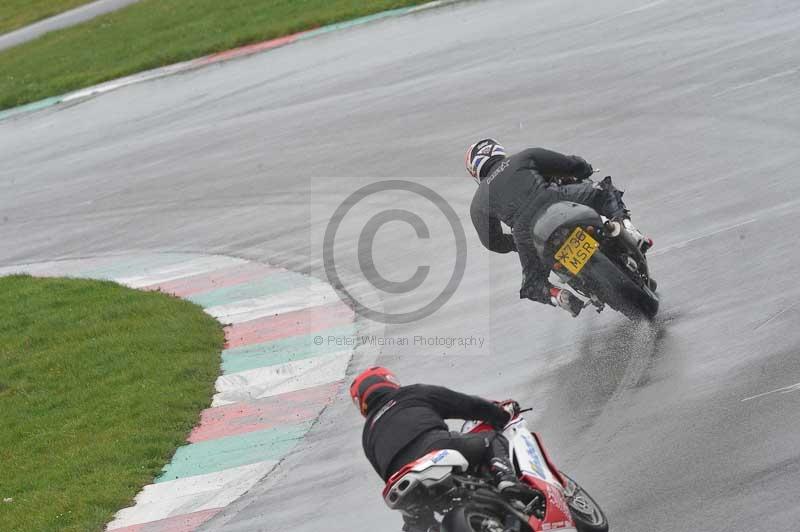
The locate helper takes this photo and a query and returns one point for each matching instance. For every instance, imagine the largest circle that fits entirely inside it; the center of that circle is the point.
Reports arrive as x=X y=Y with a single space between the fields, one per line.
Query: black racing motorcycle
x=597 y=258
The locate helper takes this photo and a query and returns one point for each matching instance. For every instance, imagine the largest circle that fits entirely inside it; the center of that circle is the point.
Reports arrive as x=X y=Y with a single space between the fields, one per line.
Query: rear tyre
x=472 y=518
x=619 y=291
x=585 y=511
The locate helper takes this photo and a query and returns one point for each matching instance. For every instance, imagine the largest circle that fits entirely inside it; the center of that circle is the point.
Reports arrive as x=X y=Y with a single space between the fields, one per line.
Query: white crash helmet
x=479 y=154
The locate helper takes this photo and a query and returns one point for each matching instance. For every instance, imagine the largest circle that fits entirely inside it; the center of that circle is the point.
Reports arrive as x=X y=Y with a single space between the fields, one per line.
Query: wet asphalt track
x=693 y=107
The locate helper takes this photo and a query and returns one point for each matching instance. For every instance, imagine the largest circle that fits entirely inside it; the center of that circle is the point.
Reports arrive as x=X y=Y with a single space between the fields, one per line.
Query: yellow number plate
x=577 y=250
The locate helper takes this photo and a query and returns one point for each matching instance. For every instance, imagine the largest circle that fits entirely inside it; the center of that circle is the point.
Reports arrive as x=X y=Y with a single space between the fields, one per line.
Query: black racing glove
x=507 y=410
x=583 y=170
x=499 y=418
x=512 y=407
x=536 y=289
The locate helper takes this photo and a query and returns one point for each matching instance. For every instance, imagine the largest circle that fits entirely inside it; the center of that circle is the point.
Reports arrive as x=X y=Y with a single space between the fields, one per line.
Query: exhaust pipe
x=616 y=230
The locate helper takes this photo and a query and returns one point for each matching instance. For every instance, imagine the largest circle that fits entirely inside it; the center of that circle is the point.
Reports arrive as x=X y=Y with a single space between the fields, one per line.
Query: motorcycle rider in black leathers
x=404 y=423
x=516 y=189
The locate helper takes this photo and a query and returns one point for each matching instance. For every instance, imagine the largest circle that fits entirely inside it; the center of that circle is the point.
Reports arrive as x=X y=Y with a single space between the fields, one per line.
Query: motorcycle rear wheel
x=472 y=518
x=585 y=511
x=615 y=288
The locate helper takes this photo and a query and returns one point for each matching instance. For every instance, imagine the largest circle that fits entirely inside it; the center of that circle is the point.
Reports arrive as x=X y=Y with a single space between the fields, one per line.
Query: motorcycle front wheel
x=585 y=511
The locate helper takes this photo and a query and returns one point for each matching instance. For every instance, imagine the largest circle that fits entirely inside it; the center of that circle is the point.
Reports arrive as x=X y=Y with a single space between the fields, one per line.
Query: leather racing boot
x=507 y=482
x=561 y=297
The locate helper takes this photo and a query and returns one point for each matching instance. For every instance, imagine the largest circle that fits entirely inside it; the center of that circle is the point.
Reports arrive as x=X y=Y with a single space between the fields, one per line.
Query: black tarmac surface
x=694 y=108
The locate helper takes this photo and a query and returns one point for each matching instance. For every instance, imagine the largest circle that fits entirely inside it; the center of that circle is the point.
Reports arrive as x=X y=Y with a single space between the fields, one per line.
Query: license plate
x=577 y=250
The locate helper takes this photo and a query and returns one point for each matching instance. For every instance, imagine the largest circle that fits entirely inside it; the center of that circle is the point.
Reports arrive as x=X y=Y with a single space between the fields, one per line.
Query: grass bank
x=17 y=13
x=99 y=384
x=153 y=33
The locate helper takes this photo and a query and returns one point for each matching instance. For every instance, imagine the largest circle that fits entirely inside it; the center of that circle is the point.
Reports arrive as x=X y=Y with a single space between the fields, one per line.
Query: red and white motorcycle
x=441 y=489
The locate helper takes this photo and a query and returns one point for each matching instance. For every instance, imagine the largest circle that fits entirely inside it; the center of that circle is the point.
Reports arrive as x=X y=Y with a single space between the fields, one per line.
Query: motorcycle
x=441 y=490
x=597 y=258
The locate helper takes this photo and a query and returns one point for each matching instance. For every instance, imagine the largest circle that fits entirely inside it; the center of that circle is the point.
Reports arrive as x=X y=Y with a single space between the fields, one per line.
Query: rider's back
x=517 y=187
x=401 y=416
x=510 y=185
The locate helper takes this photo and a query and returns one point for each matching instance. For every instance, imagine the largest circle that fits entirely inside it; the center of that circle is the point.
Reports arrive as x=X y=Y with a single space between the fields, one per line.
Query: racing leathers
x=407 y=423
x=516 y=189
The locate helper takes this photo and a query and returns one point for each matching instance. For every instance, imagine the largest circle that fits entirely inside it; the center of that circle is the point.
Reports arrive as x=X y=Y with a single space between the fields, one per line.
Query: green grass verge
x=154 y=33
x=17 y=13
x=99 y=384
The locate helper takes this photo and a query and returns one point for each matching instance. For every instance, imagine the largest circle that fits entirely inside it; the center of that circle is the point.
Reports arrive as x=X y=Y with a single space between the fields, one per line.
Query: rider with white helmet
x=515 y=189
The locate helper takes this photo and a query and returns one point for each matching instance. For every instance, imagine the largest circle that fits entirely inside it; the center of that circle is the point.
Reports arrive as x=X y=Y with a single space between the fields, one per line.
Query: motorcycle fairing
x=558 y=215
x=525 y=447
x=538 y=471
